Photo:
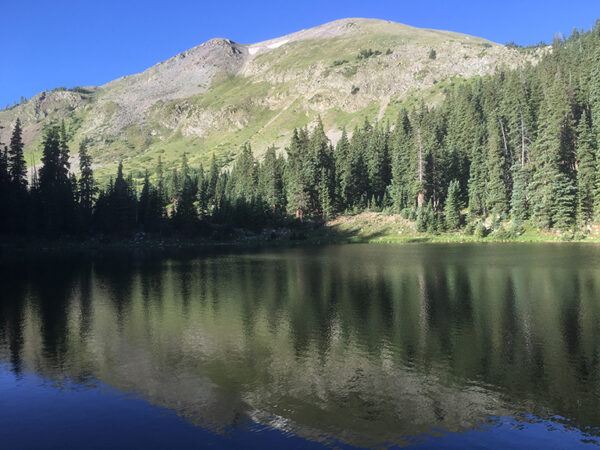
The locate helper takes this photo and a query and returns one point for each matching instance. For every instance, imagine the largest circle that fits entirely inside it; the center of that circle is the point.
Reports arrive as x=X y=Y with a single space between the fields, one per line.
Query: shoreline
x=364 y=228
x=168 y=246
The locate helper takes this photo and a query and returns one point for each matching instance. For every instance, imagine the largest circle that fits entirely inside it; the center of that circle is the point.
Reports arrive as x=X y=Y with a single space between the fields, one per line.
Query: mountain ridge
x=213 y=97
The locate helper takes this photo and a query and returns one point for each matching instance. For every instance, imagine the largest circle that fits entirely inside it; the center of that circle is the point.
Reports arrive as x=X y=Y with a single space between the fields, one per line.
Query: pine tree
x=212 y=180
x=477 y=183
x=87 y=185
x=298 y=200
x=16 y=160
x=55 y=185
x=552 y=185
x=420 y=183
x=64 y=149
x=150 y=207
x=403 y=162
x=519 y=201
x=427 y=220
x=319 y=171
x=453 y=207
x=160 y=182
x=594 y=85
x=17 y=198
x=378 y=163
x=357 y=184
x=343 y=171
x=244 y=176
x=185 y=216
x=144 y=201
x=271 y=181
x=565 y=202
x=174 y=186
x=586 y=171
x=422 y=218
x=116 y=207
x=497 y=185
x=325 y=194
x=4 y=189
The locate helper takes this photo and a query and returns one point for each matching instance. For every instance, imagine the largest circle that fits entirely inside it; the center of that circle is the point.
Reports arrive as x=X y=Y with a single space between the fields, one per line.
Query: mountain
x=220 y=94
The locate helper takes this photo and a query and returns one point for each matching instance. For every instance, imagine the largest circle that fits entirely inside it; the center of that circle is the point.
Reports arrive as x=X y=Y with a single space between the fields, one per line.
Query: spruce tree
x=357 y=184
x=378 y=162
x=298 y=200
x=565 y=202
x=185 y=215
x=244 y=176
x=594 y=86
x=319 y=171
x=17 y=198
x=552 y=185
x=586 y=172
x=55 y=185
x=343 y=171
x=150 y=207
x=87 y=185
x=4 y=189
x=160 y=182
x=477 y=183
x=144 y=201
x=325 y=193
x=497 y=185
x=211 y=182
x=453 y=207
x=403 y=162
x=271 y=181
x=116 y=207
x=519 y=201
x=174 y=186
x=16 y=159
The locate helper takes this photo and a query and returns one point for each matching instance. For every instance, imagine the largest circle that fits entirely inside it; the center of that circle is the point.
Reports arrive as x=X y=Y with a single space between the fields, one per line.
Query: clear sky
x=51 y=43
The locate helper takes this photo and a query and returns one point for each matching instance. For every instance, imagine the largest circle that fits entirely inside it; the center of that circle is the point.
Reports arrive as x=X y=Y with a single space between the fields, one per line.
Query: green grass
x=380 y=228
x=332 y=52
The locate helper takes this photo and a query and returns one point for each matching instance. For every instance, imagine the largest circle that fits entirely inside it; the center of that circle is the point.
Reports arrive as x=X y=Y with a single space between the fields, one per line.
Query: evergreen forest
x=518 y=148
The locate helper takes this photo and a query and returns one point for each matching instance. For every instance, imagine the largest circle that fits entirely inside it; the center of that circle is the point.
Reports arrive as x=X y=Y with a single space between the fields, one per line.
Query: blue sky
x=46 y=44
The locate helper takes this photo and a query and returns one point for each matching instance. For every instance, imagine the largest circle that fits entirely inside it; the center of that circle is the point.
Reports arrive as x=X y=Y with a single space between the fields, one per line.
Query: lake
x=418 y=346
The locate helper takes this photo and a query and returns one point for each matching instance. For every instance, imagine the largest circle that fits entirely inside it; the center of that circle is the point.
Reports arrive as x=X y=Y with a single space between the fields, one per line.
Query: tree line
x=517 y=147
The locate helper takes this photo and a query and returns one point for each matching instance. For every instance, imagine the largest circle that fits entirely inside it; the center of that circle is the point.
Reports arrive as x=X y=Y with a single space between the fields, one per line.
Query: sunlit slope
x=214 y=97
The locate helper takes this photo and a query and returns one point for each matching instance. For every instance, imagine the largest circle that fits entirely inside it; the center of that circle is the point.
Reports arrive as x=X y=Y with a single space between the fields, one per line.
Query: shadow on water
x=365 y=344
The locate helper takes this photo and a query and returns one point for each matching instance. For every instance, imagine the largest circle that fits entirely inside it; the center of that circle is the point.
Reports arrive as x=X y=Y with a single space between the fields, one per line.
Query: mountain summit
x=220 y=94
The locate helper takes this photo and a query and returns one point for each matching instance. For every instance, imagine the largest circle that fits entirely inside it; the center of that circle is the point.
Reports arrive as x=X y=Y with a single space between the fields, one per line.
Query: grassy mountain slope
x=212 y=98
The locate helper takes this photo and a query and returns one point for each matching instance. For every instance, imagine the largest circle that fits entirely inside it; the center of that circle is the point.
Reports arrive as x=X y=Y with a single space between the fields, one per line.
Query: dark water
x=426 y=346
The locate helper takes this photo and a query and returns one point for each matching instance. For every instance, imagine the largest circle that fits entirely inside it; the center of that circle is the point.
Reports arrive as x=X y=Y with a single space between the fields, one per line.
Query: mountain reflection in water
x=365 y=345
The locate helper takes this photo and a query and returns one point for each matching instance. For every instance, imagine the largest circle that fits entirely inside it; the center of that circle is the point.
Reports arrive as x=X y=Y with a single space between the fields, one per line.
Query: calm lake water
x=425 y=346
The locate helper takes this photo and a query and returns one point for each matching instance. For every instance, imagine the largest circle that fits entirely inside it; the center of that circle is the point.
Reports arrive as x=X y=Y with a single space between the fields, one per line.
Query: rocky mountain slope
x=213 y=97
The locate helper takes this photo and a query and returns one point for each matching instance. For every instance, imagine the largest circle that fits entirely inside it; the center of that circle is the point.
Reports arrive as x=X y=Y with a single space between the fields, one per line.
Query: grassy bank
x=371 y=227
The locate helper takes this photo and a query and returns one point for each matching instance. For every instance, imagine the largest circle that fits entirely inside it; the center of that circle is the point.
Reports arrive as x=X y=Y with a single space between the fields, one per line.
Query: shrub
x=504 y=234
x=480 y=230
x=470 y=229
x=368 y=53
x=349 y=71
x=339 y=62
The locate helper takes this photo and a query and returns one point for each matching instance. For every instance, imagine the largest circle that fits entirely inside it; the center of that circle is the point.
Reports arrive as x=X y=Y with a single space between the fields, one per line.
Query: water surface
x=425 y=346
